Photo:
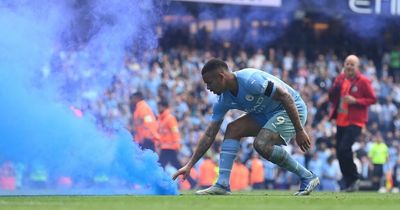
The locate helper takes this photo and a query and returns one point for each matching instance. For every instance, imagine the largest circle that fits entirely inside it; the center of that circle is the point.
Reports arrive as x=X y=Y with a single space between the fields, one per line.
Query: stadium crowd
x=174 y=75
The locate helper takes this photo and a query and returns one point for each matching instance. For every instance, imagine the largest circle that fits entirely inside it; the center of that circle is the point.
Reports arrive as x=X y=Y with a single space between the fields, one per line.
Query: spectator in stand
x=395 y=63
x=240 y=176
x=330 y=175
x=207 y=172
x=270 y=174
x=256 y=172
x=350 y=95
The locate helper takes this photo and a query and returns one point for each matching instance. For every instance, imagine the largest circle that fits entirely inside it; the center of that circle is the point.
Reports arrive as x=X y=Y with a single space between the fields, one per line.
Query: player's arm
x=205 y=142
x=287 y=101
x=260 y=84
x=203 y=145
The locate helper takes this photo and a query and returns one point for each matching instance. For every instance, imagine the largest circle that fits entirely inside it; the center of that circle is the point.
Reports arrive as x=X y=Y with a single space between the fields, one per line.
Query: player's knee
x=258 y=144
x=263 y=147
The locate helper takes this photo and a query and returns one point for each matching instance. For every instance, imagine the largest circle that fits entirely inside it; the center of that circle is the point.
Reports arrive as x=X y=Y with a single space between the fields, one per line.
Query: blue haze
x=38 y=128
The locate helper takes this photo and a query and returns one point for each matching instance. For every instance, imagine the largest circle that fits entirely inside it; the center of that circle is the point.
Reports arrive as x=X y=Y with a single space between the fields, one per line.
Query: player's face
x=350 y=66
x=214 y=82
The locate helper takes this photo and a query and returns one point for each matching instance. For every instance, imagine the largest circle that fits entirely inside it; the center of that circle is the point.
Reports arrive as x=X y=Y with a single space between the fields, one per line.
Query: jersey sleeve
x=219 y=111
x=259 y=84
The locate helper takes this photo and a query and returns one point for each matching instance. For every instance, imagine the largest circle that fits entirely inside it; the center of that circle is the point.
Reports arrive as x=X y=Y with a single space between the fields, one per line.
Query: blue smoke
x=48 y=146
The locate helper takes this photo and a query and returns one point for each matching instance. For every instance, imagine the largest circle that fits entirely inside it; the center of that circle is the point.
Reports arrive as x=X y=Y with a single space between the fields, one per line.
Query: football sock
x=229 y=150
x=282 y=158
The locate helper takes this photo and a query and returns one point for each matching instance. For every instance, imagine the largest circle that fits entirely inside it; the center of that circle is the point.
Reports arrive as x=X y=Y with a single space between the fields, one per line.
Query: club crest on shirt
x=249 y=97
x=354 y=89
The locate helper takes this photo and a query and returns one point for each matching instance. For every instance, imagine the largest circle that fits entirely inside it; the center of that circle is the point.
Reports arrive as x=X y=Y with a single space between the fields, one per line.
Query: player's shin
x=280 y=157
x=229 y=150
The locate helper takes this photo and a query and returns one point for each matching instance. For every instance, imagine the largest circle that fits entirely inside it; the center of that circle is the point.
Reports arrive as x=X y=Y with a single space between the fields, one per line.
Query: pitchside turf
x=263 y=200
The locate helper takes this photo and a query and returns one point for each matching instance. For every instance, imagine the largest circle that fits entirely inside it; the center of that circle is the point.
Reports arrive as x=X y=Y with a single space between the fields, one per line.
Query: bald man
x=350 y=95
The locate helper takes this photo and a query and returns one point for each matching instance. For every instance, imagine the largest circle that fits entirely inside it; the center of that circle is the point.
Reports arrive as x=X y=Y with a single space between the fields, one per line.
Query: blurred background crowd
x=308 y=54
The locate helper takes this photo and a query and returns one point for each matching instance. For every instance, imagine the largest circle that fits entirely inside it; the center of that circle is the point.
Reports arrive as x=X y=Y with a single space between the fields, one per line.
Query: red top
x=361 y=89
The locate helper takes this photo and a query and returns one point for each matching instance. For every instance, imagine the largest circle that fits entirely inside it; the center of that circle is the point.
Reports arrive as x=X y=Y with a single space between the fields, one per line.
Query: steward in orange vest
x=144 y=122
x=256 y=172
x=169 y=139
x=207 y=173
x=239 y=176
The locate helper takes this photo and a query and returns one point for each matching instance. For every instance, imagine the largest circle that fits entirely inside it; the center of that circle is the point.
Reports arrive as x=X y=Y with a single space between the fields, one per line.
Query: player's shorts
x=281 y=123
x=378 y=170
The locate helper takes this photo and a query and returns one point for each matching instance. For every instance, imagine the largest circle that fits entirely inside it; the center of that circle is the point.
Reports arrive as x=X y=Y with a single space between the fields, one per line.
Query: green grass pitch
x=263 y=200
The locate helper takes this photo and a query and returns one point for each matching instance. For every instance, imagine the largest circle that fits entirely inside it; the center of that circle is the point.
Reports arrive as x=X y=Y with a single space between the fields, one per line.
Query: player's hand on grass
x=185 y=171
x=303 y=140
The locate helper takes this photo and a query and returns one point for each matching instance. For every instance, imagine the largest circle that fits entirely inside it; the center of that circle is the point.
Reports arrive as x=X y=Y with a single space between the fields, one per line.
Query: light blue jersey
x=256 y=89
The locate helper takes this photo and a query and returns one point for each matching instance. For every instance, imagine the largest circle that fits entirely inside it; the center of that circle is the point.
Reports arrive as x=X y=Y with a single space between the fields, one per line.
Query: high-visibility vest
x=239 y=177
x=343 y=115
x=256 y=171
x=379 y=153
x=144 y=122
x=168 y=131
x=207 y=173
